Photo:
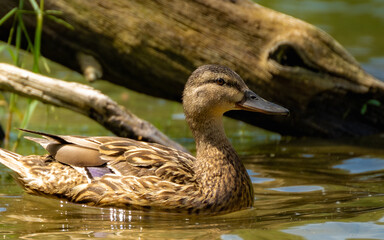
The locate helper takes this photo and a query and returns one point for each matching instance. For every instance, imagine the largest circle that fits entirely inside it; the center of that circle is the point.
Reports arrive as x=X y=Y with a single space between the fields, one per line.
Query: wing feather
x=145 y=159
x=126 y=157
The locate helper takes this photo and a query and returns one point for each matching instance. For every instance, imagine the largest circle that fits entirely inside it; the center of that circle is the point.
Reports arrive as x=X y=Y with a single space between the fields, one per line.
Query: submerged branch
x=82 y=99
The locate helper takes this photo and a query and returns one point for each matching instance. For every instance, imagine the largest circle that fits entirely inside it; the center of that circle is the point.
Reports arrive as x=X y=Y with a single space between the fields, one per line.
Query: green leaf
x=374 y=102
x=364 y=109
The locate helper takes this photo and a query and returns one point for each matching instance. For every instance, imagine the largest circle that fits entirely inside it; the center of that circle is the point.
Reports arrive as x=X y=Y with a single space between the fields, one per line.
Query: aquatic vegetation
x=17 y=34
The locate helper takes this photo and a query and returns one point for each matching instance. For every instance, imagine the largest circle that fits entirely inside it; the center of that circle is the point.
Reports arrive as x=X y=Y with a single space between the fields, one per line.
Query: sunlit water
x=304 y=188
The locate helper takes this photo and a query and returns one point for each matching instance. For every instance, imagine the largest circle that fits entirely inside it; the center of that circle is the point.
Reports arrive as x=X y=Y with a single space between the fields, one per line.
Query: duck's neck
x=220 y=173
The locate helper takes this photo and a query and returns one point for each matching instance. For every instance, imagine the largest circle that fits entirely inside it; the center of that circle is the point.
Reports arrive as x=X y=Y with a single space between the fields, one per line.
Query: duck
x=110 y=171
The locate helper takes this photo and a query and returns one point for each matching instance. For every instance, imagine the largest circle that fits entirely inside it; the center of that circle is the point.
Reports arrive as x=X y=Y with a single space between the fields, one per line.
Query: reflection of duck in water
x=113 y=171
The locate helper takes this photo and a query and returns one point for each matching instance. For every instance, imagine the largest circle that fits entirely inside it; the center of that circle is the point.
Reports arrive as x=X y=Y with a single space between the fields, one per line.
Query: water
x=304 y=188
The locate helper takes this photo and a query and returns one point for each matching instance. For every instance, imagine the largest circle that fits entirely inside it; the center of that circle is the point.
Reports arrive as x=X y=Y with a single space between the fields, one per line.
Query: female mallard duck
x=113 y=171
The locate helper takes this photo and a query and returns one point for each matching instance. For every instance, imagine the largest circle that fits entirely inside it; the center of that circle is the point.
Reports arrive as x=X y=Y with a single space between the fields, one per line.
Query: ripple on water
x=361 y=165
x=298 y=189
x=255 y=179
x=339 y=230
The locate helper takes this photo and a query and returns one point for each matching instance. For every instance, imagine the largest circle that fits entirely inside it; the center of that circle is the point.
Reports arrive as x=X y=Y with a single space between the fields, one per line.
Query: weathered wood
x=152 y=46
x=82 y=99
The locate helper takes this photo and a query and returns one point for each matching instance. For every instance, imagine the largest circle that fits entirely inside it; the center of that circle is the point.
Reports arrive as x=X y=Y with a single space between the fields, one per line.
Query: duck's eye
x=220 y=81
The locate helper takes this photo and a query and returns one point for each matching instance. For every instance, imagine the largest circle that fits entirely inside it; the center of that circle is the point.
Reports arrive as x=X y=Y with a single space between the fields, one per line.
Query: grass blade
x=60 y=21
x=35 y=6
x=54 y=12
x=38 y=31
x=26 y=119
x=26 y=35
x=8 y=15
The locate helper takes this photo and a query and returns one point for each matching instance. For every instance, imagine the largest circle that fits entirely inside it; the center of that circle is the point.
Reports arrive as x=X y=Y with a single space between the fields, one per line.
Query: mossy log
x=152 y=46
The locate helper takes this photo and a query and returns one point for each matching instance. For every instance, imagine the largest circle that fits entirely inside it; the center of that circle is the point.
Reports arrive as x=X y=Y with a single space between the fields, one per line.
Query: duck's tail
x=11 y=160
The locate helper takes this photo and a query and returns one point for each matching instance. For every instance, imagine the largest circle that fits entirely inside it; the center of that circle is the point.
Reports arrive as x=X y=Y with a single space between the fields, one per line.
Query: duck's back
x=132 y=158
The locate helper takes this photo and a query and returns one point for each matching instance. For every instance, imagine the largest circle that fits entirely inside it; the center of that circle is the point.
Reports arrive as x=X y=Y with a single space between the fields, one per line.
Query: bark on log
x=151 y=46
x=82 y=99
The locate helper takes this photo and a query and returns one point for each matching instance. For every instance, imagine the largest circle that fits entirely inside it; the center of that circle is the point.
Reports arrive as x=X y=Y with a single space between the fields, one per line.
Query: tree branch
x=84 y=100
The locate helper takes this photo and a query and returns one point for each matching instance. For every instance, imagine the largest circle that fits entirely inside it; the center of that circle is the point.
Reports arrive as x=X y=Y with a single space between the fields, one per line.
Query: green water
x=304 y=188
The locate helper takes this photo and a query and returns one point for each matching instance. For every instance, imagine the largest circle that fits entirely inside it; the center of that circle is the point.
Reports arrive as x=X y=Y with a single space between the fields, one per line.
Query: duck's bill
x=254 y=103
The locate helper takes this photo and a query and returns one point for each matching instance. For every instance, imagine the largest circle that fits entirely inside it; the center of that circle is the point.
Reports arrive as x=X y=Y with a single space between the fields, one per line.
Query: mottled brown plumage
x=113 y=171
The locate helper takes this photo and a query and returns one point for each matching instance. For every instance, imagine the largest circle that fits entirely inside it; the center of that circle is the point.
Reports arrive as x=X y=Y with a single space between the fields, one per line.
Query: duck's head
x=212 y=90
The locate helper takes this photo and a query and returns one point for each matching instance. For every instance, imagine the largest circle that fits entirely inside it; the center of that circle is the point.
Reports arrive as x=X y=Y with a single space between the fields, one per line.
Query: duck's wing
x=97 y=156
x=76 y=151
x=127 y=157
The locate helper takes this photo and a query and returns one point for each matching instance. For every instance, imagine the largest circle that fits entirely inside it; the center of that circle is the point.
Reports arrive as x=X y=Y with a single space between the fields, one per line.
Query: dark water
x=304 y=188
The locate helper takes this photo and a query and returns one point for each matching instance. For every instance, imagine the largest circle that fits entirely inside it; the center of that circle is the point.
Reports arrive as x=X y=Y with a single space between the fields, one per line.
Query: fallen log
x=152 y=46
x=81 y=99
